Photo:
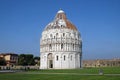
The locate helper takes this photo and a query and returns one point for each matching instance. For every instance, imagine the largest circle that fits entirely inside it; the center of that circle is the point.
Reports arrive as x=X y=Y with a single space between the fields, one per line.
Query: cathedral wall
x=63 y=44
x=72 y=60
x=68 y=33
x=77 y=57
x=57 y=61
x=43 y=61
x=55 y=40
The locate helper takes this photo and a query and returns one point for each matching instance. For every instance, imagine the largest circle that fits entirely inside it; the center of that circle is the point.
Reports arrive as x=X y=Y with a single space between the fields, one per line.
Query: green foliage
x=26 y=59
x=2 y=62
x=37 y=60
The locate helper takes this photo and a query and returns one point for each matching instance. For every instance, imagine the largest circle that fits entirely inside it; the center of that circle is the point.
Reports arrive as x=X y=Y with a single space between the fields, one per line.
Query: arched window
x=69 y=34
x=61 y=46
x=51 y=35
x=57 y=58
x=63 y=34
x=56 y=34
x=50 y=46
x=73 y=46
x=71 y=57
x=74 y=34
x=78 y=36
x=64 y=57
x=60 y=16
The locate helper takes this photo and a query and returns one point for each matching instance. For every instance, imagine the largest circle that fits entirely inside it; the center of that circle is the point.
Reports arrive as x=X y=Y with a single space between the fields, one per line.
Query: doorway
x=50 y=60
x=50 y=63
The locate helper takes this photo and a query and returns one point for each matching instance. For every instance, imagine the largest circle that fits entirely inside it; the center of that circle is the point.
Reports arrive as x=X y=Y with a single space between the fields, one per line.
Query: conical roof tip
x=60 y=11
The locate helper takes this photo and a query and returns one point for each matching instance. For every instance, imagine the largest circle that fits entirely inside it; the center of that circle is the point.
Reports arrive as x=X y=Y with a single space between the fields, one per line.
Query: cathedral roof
x=60 y=21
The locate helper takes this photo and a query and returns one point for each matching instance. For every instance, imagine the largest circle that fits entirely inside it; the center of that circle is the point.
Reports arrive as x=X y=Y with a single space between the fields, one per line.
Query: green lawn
x=22 y=76
x=106 y=70
x=70 y=74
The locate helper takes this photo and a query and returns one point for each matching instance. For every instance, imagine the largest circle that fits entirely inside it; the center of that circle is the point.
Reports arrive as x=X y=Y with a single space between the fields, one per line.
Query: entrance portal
x=50 y=63
x=50 y=60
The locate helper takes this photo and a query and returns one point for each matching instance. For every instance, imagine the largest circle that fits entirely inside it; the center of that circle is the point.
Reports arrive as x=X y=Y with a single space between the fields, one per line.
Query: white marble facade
x=60 y=44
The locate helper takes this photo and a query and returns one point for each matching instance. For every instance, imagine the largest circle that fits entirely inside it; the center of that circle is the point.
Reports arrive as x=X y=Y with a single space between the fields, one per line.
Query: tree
x=29 y=59
x=21 y=59
x=26 y=59
x=2 y=61
x=37 y=60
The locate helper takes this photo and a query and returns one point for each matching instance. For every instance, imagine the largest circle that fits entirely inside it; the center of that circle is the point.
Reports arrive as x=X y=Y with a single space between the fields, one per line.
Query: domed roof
x=60 y=21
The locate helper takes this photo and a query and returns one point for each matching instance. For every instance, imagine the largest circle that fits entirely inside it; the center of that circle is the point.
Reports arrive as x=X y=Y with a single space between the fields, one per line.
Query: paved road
x=10 y=71
x=71 y=73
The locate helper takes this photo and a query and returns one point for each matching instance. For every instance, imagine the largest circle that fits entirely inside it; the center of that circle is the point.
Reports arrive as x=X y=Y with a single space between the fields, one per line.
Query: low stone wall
x=18 y=67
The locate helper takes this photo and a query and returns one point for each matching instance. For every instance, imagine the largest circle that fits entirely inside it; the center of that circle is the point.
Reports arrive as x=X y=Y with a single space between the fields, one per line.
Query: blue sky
x=22 y=22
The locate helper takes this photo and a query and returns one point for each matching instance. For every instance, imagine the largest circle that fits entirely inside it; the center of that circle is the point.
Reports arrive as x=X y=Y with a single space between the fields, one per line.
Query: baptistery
x=60 y=44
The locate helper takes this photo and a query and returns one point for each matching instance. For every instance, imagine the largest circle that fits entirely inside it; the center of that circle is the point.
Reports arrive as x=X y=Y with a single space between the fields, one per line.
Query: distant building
x=10 y=58
x=102 y=63
x=60 y=44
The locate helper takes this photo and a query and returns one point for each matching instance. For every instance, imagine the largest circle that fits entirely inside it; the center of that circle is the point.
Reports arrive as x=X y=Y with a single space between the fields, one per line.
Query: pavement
x=10 y=71
x=72 y=74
